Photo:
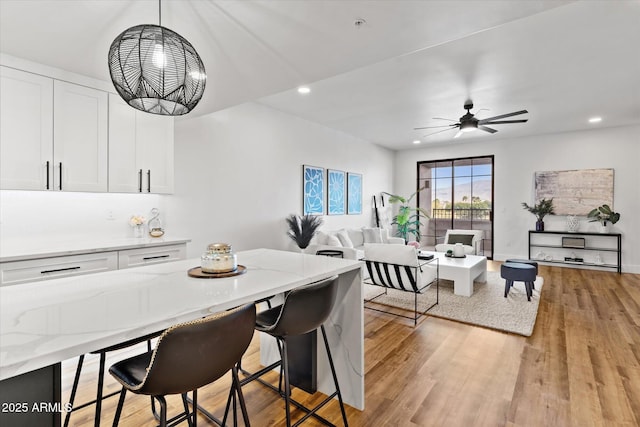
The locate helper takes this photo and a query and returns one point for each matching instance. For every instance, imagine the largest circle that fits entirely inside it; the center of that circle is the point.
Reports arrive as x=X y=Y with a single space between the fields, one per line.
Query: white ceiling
x=563 y=61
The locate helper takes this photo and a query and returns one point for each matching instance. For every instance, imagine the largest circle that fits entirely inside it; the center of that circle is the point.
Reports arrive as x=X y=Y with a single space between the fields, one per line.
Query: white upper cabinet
x=26 y=130
x=80 y=138
x=140 y=150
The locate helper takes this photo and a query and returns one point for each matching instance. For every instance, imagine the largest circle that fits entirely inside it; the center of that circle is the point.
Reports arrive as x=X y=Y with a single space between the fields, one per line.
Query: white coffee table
x=462 y=271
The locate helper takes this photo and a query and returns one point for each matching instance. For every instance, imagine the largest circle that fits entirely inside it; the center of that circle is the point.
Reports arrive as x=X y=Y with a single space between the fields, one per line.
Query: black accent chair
x=99 y=394
x=188 y=356
x=304 y=310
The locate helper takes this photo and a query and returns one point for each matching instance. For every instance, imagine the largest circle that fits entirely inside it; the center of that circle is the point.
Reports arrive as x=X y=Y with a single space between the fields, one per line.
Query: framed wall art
x=575 y=192
x=336 y=192
x=354 y=193
x=312 y=190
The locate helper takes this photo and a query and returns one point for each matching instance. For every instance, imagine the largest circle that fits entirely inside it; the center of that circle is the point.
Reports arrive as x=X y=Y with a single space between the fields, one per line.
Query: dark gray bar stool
x=304 y=310
x=188 y=356
x=99 y=394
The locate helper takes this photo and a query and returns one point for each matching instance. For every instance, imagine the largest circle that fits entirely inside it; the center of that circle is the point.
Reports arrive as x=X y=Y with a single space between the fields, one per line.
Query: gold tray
x=197 y=272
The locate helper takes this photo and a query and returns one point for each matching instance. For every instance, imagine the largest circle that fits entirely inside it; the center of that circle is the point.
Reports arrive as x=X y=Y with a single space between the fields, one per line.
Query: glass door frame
x=489 y=249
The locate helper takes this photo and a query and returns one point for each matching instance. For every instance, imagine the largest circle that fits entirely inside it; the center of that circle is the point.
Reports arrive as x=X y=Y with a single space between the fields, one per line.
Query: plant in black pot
x=303 y=228
x=541 y=209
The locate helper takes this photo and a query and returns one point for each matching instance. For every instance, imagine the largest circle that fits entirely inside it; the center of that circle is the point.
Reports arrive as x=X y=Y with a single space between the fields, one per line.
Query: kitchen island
x=44 y=323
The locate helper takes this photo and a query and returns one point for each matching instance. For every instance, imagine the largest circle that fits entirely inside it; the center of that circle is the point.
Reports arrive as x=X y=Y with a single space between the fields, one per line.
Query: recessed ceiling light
x=595 y=119
x=304 y=90
x=417 y=141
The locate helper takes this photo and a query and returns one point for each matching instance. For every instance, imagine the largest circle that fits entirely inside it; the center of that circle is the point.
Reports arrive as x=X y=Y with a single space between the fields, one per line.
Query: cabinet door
x=154 y=151
x=26 y=130
x=145 y=256
x=80 y=138
x=124 y=174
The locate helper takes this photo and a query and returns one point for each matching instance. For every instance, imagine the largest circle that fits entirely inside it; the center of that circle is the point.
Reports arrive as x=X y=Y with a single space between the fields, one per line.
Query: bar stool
x=304 y=310
x=99 y=394
x=188 y=356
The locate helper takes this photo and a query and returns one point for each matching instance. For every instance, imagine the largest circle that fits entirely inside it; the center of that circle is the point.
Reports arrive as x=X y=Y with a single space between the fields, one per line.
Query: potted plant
x=543 y=208
x=604 y=215
x=303 y=228
x=407 y=220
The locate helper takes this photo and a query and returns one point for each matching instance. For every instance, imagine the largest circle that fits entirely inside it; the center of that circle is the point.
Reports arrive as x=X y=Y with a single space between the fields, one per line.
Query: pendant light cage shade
x=156 y=70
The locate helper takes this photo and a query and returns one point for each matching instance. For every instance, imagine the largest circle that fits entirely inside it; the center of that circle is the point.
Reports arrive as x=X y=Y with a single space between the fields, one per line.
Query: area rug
x=487 y=306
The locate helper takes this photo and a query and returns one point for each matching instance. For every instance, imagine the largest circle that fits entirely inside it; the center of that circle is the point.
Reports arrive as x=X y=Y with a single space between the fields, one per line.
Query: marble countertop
x=43 y=323
x=26 y=249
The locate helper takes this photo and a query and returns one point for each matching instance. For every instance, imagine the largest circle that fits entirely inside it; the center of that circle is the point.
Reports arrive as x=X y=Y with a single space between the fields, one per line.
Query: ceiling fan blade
x=440 y=131
x=441 y=118
x=434 y=127
x=458 y=134
x=502 y=122
x=490 y=119
x=487 y=129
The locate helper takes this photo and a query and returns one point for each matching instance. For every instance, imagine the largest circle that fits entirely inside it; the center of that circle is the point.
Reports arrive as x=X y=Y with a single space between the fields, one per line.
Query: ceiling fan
x=469 y=122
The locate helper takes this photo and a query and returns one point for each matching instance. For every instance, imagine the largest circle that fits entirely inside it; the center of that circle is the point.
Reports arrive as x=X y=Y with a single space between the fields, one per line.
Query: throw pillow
x=356 y=237
x=465 y=239
x=343 y=236
x=333 y=240
x=321 y=238
x=372 y=235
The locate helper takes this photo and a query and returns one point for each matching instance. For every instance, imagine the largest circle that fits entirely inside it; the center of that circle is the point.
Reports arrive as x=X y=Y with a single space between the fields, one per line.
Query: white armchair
x=471 y=241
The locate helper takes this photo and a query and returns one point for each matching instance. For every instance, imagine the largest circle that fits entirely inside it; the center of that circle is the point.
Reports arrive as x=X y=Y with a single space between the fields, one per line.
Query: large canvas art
x=575 y=192
x=336 y=192
x=354 y=193
x=312 y=190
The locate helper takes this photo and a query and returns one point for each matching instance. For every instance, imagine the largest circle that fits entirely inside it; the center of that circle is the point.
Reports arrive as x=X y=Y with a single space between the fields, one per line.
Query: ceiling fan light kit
x=156 y=70
x=469 y=123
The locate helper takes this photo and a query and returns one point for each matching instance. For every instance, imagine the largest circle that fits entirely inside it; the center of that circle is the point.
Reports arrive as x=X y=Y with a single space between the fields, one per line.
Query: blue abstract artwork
x=313 y=190
x=354 y=193
x=336 y=192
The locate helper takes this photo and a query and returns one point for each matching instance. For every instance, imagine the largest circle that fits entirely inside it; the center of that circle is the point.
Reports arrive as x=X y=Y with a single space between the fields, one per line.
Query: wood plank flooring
x=581 y=367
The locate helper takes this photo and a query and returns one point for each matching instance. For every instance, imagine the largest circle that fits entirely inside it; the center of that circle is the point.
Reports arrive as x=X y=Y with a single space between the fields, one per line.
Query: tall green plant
x=303 y=228
x=407 y=220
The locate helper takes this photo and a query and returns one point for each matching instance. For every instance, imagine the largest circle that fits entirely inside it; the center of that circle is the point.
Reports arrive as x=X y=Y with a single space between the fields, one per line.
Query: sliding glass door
x=458 y=193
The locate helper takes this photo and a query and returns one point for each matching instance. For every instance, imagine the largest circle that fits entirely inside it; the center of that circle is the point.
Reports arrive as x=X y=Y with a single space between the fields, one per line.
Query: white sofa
x=471 y=241
x=351 y=241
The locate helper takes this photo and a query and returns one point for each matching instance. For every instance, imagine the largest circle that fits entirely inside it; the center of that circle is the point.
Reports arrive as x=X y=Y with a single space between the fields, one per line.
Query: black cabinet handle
x=140 y=181
x=147 y=258
x=149 y=181
x=48 y=174
x=60 y=269
x=60 y=184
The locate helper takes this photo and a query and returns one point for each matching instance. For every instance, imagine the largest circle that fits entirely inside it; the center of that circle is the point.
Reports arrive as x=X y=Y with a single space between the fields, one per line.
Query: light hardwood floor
x=581 y=367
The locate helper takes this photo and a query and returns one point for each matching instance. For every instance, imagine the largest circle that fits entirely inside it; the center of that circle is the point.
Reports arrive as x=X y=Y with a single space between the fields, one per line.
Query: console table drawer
x=14 y=273
x=145 y=256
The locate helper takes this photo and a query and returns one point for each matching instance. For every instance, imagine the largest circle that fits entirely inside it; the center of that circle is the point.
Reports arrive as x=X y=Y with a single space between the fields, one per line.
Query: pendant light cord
x=160 y=13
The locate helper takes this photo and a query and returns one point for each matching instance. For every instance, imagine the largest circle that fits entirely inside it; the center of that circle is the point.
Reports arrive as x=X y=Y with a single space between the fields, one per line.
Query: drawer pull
x=60 y=269
x=147 y=258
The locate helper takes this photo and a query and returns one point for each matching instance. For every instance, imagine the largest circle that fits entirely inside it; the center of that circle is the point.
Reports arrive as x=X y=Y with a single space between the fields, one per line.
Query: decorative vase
x=138 y=231
x=572 y=223
x=604 y=227
x=458 y=250
x=539 y=225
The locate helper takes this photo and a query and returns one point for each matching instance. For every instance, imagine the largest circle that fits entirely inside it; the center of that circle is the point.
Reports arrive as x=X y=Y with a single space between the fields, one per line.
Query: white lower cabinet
x=145 y=256
x=33 y=270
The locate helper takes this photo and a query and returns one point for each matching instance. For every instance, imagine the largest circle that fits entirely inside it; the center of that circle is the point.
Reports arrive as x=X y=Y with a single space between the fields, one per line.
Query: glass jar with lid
x=219 y=258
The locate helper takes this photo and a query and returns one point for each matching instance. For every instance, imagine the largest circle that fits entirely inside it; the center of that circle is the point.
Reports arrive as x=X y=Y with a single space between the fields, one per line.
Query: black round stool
x=518 y=272
x=525 y=261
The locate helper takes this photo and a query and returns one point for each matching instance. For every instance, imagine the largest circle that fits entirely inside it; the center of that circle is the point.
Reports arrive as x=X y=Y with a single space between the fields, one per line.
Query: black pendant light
x=156 y=70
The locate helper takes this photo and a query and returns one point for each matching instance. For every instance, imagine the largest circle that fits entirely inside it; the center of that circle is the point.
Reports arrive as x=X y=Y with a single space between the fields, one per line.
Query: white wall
x=68 y=216
x=239 y=174
x=516 y=160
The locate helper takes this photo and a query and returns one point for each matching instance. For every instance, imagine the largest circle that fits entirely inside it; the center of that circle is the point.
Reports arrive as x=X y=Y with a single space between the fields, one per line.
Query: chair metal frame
x=384 y=272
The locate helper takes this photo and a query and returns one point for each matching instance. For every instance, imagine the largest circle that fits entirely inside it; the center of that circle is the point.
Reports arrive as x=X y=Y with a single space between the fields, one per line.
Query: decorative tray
x=197 y=272
x=453 y=256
